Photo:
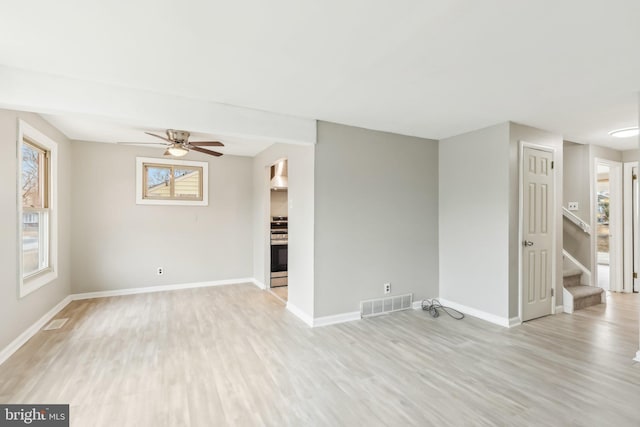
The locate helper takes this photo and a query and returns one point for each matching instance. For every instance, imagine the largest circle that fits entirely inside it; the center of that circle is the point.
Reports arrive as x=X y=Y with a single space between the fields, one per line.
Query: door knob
x=527 y=243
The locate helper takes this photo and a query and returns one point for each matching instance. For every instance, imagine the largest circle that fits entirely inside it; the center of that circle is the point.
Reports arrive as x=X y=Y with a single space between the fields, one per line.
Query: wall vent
x=55 y=324
x=378 y=306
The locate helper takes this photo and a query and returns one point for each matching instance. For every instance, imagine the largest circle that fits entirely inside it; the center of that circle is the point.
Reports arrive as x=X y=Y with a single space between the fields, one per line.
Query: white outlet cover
x=573 y=206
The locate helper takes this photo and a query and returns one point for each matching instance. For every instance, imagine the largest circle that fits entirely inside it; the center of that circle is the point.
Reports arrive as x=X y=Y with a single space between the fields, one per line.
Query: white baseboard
x=300 y=314
x=337 y=318
x=492 y=318
x=161 y=288
x=32 y=330
x=258 y=283
x=559 y=309
x=637 y=358
x=515 y=321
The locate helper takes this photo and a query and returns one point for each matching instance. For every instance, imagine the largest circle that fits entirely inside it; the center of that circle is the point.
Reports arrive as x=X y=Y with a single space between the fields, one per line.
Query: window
x=171 y=182
x=37 y=157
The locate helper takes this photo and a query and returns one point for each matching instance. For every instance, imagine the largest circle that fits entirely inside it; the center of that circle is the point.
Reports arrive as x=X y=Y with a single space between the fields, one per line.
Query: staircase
x=578 y=296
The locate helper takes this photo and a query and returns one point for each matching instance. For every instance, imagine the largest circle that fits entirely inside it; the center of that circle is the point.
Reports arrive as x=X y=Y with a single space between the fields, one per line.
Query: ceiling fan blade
x=205 y=151
x=142 y=143
x=207 y=143
x=158 y=136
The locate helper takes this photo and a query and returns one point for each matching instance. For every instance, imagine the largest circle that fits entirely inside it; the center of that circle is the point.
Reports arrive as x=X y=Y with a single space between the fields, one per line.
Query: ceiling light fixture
x=177 y=150
x=624 y=133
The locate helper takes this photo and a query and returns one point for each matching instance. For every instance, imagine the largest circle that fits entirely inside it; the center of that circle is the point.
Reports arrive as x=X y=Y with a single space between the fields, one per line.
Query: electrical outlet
x=573 y=206
x=387 y=288
x=160 y=271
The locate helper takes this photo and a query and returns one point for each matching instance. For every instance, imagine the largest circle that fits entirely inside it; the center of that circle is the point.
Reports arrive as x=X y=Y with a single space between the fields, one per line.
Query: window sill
x=35 y=282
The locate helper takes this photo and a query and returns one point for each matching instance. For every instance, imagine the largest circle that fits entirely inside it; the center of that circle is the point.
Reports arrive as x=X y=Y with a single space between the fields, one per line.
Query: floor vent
x=55 y=324
x=378 y=306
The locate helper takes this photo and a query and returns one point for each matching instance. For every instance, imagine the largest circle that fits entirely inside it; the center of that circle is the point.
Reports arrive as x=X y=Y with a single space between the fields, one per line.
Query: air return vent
x=55 y=324
x=378 y=306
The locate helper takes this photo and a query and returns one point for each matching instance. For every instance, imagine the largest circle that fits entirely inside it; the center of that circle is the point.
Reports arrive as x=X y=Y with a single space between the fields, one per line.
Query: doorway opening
x=607 y=238
x=279 y=229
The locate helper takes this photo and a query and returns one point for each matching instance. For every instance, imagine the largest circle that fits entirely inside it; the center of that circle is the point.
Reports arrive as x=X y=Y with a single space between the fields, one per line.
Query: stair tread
x=571 y=273
x=583 y=291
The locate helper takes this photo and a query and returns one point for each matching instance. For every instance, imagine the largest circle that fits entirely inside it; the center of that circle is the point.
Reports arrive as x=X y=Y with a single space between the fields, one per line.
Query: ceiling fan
x=177 y=143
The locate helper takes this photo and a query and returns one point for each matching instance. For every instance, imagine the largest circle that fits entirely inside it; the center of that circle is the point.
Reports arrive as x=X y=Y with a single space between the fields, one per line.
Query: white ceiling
x=418 y=67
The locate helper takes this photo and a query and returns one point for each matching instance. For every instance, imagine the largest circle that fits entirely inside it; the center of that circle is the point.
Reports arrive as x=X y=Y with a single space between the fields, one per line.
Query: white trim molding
x=559 y=308
x=336 y=318
x=515 y=321
x=161 y=288
x=21 y=340
x=258 y=283
x=300 y=314
x=204 y=180
x=637 y=358
x=492 y=318
x=26 y=285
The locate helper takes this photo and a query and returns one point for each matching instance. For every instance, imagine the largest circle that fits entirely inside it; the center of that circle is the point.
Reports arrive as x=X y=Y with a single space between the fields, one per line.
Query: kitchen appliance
x=279 y=251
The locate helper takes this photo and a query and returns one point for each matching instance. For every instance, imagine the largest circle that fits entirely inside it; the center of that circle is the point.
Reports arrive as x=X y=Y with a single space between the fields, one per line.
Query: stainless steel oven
x=279 y=252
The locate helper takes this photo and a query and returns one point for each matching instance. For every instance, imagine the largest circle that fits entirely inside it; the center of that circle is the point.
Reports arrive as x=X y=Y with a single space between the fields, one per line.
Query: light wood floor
x=232 y=355
x=281 y=292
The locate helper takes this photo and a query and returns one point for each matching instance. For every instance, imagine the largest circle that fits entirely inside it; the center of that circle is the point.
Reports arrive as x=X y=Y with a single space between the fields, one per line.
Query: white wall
x=474 y=219
x=17 y=314
x=301 y=221
x=118 y=244
x=376 y=217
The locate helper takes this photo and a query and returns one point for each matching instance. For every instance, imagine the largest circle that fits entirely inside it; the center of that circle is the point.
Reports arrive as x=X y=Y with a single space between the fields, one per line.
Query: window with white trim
x=171 y=182
x=37 y=166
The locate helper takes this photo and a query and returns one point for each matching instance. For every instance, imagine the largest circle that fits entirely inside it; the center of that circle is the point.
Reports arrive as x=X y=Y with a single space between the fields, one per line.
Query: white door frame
x=629 y=237
x=615 y=180
x=554 y=223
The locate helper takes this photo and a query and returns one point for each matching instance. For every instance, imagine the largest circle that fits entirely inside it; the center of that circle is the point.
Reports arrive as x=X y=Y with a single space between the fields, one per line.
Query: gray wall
x=474 y=219
x=518 y=133
x=376 y=216
x=18 y=314
x=631 y=156
x=117 y=244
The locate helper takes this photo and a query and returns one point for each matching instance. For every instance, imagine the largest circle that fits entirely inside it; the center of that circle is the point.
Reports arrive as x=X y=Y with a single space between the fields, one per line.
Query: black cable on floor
x=433 y=305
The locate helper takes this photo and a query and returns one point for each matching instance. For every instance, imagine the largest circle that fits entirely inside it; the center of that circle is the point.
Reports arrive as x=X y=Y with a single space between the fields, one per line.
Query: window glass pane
x=32 y=193
x=31 y=242
x=158 y=181
x=187 y=183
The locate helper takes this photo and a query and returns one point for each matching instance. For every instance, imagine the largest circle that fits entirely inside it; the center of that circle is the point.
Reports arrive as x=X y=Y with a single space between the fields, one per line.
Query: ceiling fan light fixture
x=624 y=133
x=177 y=150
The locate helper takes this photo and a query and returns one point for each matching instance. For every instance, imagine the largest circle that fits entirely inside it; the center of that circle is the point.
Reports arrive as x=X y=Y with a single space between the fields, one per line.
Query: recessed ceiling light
x=624 y=133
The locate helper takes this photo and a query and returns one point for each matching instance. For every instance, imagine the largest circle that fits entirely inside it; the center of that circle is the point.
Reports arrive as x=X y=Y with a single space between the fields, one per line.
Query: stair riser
x=571 y=280
x=587 y=302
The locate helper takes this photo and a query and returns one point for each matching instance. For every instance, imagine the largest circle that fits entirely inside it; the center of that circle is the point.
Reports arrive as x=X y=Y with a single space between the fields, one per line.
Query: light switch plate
x=573 y=206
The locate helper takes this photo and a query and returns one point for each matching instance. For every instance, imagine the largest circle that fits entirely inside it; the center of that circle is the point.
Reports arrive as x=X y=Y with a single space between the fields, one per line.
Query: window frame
x=141 y=180
x=32 y=136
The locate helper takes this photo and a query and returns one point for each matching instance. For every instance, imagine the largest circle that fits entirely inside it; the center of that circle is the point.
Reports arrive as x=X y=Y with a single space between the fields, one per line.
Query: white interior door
x=538 y=195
